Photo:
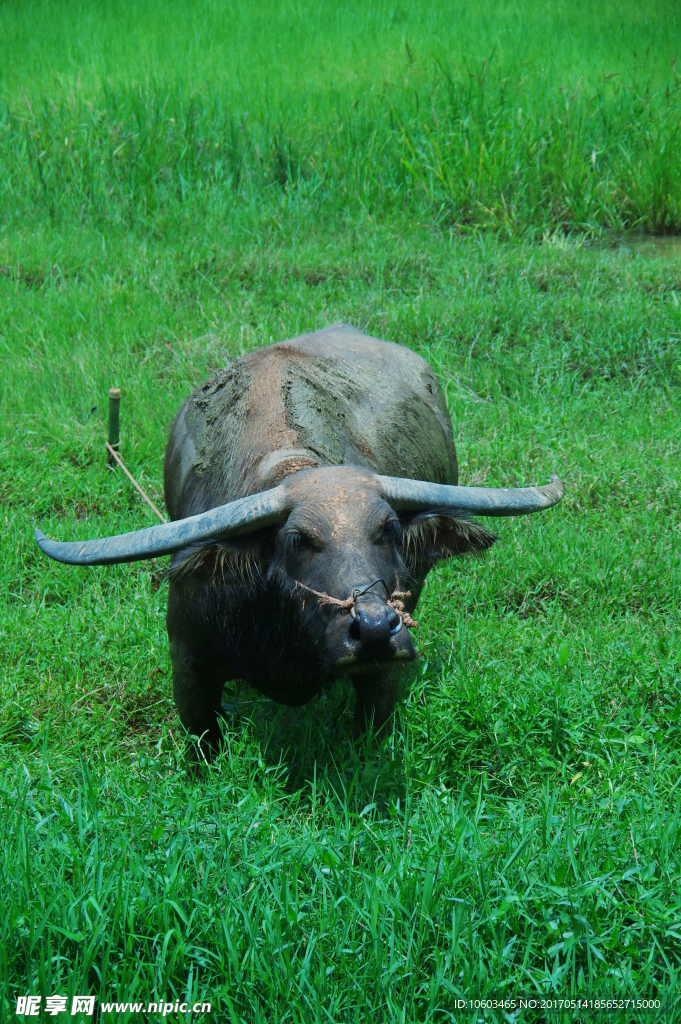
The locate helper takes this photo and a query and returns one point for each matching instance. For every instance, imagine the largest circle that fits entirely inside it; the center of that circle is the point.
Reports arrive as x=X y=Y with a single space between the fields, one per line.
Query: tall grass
x=475 y=119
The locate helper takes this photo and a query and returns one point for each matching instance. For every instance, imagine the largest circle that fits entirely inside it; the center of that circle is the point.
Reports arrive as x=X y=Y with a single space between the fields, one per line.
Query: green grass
x=520 y=833
x=524 y=120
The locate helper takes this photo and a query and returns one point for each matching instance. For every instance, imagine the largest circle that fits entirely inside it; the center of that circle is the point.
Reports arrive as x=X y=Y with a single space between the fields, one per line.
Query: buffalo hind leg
x=374 y=703
x=198 y=679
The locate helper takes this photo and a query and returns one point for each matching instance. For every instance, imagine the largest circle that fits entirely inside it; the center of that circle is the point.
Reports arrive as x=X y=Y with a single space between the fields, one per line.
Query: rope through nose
x=395 y=601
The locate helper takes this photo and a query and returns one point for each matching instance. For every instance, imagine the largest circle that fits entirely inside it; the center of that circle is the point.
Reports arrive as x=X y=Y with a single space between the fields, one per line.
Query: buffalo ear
x=431 y=537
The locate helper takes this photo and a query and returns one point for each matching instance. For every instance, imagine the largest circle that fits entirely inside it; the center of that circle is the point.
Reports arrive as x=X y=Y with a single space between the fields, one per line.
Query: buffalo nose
x=375 y=623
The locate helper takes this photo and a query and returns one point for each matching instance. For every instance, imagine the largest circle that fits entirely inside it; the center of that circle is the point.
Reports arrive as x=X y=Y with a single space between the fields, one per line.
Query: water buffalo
x=311 y=486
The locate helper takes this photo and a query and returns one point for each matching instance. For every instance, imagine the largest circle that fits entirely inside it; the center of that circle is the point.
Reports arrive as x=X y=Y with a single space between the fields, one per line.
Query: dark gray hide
x=319 y=410
x=336 y=397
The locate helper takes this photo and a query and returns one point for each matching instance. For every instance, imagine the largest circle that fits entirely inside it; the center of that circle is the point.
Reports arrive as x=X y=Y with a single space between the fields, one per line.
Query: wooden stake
x=114 y=421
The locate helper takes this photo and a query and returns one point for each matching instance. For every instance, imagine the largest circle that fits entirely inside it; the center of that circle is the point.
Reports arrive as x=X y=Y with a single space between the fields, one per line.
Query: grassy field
x=510 y=118
x=176 y=192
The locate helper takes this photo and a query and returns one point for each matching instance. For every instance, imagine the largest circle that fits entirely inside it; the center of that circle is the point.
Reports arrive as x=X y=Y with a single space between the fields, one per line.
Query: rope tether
x=396 y=601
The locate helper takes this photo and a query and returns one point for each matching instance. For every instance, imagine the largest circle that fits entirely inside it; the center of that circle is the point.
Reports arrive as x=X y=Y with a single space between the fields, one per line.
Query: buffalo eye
x=392 y=529
x=297 y=541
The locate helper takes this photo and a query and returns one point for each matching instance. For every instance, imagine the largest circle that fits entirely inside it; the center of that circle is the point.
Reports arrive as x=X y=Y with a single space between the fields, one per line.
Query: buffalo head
x=345 y=563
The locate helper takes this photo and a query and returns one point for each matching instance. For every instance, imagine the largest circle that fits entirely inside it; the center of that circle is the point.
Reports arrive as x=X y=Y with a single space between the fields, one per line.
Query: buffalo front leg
x=198 y=678
x=375 y=698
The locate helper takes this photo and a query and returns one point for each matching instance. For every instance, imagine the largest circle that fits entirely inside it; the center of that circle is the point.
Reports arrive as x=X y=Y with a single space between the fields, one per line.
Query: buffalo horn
x=418 y=496
x=269 y=507
x=241 y=516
